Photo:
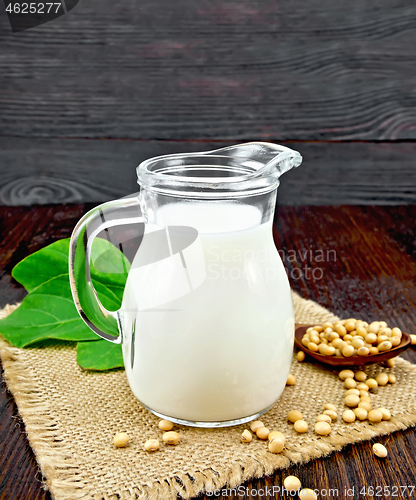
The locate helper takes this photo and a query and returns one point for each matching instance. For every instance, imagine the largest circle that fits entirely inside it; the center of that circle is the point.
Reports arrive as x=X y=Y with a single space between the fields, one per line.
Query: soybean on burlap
x=72 y=415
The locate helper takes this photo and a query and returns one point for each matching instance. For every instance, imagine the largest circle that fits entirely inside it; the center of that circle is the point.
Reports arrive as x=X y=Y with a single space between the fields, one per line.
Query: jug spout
x=240 y=170
x=264 y=157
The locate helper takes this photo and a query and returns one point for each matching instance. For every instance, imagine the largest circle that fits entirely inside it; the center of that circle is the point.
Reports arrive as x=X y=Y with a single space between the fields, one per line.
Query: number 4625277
x=33 y=8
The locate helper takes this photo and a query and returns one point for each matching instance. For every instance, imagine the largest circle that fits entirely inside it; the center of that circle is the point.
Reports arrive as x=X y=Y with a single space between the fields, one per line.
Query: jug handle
x=103 y=322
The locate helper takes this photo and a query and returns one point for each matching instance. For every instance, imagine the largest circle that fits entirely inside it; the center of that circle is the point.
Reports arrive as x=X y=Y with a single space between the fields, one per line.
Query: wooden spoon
x=352 y=360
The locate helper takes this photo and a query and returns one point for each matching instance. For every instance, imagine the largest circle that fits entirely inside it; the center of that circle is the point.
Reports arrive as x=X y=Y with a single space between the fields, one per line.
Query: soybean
x=121 y=439
x=171 y=437
x=324 y=418
x=365 y=404
x=350 y=325
x=379 y=450
x=348 y=351
x=348 y=416
x=292 y=483
x=263 y=433
x=371 y=338
x=362 y=332
x=344 y=374
x=151 y=445
x=312 y=347
x=307 y=494
x=396 y=332
x=300 y=356
x=276 y=434
x=391 y=362
x=331 y=413
x=352 y=400
x=246 y=436
x=386 y=413
x=380 y=339
x=322 y=428
x=294 y=415
x=165 y=425
x=372 y=383
x=291 y=380
x=375 y=416
x=322 y=348
x=373 y=327
x=385 y=346
x=360 y=413
x=357 y=343
x=382 y=379
x=350 y=383
x=256 y=425
x=276 y=445
x=300 y=426
x=352 y=391
x=360 y=376
x=340 y=329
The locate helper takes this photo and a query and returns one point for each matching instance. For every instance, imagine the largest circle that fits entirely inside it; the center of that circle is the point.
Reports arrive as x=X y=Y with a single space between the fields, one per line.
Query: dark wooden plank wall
x=63 y=170
x=335 y=80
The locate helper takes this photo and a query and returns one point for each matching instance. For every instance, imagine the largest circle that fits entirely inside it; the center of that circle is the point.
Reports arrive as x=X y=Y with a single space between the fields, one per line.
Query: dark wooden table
x=371 y=275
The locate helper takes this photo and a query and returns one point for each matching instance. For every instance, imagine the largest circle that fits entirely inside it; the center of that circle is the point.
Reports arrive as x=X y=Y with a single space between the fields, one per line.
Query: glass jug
x=206 y=322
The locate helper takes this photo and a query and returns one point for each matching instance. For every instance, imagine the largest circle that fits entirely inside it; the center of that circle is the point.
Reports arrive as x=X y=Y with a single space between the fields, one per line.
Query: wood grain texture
x=370 y=265
x=372 y=276
x=214 y=70
x=20 y=477
x=41 y=171
x=26 y=230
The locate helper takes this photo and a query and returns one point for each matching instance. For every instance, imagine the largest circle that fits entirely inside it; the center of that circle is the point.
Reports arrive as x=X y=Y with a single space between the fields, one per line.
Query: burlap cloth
x=72 y=415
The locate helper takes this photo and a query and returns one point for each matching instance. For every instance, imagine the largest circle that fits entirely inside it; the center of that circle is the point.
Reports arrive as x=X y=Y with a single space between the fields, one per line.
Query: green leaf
x=109 y=272
x=100 y=355
x=109 y=269
x=42 y=266
x=49 y=312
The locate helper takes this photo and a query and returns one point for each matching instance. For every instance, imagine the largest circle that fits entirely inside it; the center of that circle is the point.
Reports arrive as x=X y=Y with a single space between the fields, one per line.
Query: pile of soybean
x=351 y=337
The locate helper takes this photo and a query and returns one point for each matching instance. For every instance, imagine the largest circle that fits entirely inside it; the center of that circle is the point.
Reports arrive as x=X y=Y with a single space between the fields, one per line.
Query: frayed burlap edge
x=64 y=479
x=42 y=429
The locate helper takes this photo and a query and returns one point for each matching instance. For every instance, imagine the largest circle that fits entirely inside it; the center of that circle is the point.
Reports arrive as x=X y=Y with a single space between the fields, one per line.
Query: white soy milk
x=208 y=329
